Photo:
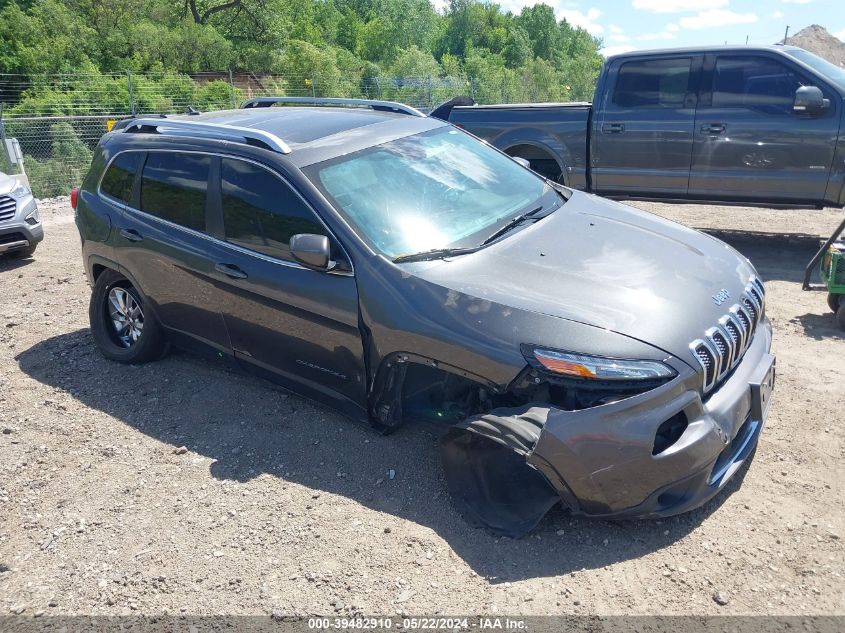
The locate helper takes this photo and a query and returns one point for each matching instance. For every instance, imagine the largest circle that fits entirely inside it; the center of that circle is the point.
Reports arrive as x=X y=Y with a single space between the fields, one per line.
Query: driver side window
x=260 y=211
x=755 y=83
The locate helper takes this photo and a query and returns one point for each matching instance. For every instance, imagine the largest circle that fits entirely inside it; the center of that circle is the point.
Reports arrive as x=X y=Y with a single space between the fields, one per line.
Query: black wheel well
x=543 y=161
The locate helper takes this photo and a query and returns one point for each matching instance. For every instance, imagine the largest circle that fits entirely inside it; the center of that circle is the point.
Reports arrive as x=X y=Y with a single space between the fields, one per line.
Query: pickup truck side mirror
x=312 y=251
x=809 y=99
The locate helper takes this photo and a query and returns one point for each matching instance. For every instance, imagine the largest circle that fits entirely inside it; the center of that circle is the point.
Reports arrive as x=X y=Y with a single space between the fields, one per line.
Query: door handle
x=230 y=270
x=713 y=128
x=612 y=128
x=131 y=234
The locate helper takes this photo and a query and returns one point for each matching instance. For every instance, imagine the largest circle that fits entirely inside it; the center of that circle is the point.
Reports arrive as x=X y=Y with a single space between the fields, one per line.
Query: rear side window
x=758 y=83
x=173 y=188
x=260 y=211
x=118 y=179
x=653 y=83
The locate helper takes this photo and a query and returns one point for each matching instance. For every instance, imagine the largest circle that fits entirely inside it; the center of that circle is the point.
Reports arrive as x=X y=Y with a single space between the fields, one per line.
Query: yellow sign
x=110 y=124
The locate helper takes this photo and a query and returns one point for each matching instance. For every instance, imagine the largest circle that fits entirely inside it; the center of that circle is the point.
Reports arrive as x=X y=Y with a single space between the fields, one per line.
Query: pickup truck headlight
x=596 y=367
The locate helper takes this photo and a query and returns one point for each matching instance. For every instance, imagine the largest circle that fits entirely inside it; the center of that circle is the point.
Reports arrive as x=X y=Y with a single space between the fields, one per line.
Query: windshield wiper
x=511 y=225
x=436 y=253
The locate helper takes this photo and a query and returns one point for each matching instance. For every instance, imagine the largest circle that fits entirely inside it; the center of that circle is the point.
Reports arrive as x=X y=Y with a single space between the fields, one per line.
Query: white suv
x=20 y=222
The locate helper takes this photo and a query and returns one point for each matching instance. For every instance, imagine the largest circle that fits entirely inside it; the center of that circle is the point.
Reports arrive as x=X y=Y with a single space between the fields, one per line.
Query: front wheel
x=124 y=329
x=840 y=316
x=833 y=301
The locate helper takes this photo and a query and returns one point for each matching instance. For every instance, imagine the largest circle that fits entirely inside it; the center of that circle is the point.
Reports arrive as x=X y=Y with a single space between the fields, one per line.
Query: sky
x=626 y=25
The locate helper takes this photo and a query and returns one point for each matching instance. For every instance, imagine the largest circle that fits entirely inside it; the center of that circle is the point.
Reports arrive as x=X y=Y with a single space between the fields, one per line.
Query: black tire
x=840 y=316
x=22 y=253
x=834 y=301
x=141 y=340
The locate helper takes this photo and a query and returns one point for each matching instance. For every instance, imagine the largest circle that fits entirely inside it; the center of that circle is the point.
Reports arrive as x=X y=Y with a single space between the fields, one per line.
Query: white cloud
x=777 y=15
x=677 y=6
x=614 y=29
x=796 y=1
x=586 y=21
x=663 y=35
x=609 y=51
x=713 y=18
x=619 y=37
x=672 y=28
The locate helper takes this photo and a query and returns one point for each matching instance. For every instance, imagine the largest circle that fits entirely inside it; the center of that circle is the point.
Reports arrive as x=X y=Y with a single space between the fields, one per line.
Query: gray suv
x=20 y=222
x=570 y=349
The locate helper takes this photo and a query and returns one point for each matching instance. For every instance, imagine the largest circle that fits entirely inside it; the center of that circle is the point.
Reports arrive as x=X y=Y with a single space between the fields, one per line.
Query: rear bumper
x=601 y=461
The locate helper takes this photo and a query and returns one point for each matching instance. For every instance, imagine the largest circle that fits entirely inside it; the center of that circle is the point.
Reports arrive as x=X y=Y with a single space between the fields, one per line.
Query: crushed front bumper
x=602 y=461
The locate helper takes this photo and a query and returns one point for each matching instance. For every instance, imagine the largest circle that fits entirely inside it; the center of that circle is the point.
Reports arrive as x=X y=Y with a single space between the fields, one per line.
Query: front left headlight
x=596 y=367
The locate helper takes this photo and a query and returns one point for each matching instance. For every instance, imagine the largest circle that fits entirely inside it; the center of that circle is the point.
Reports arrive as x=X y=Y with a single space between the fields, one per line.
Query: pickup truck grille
x=723 y=346
x=7 y=208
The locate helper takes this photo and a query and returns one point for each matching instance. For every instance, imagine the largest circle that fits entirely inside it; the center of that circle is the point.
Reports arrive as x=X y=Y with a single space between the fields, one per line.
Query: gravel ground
x=182 y=487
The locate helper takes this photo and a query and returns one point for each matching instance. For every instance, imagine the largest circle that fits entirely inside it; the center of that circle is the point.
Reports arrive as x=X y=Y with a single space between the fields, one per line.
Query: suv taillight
x=74 y=196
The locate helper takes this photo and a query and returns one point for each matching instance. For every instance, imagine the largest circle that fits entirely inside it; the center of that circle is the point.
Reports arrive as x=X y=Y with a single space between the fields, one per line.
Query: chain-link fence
x=58 y=119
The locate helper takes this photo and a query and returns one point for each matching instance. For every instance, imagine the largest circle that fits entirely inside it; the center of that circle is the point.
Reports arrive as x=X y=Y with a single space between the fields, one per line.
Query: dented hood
x=608 y=265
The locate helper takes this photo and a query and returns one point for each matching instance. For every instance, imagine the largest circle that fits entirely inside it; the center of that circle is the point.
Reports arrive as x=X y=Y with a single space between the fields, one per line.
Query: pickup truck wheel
x=124 y=329
x=834 y=300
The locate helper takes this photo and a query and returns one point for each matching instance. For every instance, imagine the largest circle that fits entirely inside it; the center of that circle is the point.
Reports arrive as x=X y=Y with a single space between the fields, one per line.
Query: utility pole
x=785 y=34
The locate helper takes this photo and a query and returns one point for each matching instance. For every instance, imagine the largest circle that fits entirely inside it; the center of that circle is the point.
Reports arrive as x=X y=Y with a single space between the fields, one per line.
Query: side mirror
x=809 y=99
x=522 y=161
x=312 y=251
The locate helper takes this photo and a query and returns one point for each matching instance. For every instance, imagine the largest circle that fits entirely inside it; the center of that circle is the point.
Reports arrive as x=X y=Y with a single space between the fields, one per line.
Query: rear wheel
x=834 y=301
x=840 y=316
x=124 y=329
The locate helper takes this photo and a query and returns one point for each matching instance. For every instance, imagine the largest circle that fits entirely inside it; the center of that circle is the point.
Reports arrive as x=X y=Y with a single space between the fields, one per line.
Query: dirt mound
x=818 y=40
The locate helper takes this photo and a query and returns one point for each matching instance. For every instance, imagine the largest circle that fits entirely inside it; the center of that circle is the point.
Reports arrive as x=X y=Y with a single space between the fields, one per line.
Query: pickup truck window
x=757 y=83
x=653 y=83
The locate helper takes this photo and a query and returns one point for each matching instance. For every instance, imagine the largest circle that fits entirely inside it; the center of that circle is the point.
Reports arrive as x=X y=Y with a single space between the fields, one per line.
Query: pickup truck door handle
x=230 y=270
x=131 y=234
x=612 y=128
x=713 y=128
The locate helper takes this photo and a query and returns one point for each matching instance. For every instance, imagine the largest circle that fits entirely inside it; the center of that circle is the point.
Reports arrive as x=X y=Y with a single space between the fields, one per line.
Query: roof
x=299 y=126
x=701 y=50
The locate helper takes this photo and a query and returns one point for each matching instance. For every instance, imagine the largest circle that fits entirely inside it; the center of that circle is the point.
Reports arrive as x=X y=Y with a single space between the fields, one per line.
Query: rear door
x=163 y=243
x=749 y=144
x=642 y=134
x=298 y=324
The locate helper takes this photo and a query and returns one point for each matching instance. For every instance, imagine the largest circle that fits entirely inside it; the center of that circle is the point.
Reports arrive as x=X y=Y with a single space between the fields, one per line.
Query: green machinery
x=831 y=261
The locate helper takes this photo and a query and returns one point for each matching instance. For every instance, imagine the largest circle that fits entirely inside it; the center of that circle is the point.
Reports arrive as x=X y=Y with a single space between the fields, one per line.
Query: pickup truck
x=749 y=124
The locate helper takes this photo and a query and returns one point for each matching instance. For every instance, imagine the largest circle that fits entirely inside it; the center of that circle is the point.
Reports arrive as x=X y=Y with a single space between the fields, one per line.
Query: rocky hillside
x=818 y=40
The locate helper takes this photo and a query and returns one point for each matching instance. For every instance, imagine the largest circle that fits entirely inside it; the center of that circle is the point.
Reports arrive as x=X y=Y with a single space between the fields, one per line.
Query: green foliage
x=374 y=48
x=70 y=160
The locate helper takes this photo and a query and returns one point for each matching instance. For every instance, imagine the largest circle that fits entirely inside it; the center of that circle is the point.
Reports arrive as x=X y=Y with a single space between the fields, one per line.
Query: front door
x=642 y=136
x=749 y=144
x=298 y=324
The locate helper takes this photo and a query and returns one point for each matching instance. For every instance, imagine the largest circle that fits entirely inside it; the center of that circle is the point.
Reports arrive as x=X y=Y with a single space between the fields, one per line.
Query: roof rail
x=386 y=106
x=249 y=135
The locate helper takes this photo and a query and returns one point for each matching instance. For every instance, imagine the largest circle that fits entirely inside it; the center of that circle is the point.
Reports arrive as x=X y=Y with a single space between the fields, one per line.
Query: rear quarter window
x=174 y=188
x=118 y=179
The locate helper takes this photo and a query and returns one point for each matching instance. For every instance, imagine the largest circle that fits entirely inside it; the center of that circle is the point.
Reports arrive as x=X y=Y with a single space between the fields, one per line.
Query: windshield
x=831 y=71
x=434 y=190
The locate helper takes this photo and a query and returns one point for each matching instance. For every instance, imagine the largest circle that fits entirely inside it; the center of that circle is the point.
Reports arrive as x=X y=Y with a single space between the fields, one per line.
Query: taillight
x=74 y=197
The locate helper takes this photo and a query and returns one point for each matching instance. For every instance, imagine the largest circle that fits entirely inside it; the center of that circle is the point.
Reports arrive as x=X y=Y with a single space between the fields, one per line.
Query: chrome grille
x=7 y=208
x=723 y=346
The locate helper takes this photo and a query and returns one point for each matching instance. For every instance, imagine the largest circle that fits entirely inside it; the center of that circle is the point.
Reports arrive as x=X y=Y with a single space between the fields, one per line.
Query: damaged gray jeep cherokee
x=571 y=349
